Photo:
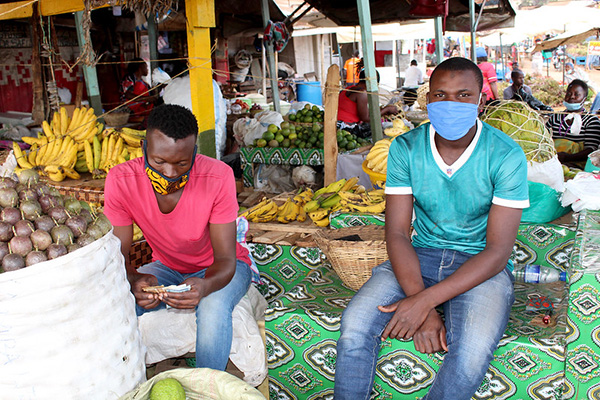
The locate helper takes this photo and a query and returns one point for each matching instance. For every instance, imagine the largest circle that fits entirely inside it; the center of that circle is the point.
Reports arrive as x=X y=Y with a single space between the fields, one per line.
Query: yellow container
x=374 y=176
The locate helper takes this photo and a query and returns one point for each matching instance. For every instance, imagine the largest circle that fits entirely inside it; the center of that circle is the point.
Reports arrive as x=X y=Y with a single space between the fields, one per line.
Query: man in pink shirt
x=186 y=206
x=490 y=88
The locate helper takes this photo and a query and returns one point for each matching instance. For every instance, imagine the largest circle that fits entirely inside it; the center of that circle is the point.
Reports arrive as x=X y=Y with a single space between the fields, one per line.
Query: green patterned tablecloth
x=306 y=299
x=339 y=219
x=276 y=155
x=583 y=334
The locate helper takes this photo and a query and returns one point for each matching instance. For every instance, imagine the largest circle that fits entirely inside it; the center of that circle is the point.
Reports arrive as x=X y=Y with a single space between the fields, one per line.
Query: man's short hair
x=460 y=64
x=515 y=73
x=355 y=53
x=580 y=83
x=174 y=121
x=413 y=62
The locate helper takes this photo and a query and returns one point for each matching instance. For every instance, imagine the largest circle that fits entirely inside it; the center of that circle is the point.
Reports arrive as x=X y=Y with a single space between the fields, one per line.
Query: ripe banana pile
x=344 y=196
x=108 y=149
x=378 y=156
x=292 y=210
x=67 y=146
x=398 y=128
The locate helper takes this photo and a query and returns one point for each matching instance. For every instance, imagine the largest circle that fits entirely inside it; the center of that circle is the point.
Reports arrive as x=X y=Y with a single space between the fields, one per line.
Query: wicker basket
x=353 y=260
x=116 y=119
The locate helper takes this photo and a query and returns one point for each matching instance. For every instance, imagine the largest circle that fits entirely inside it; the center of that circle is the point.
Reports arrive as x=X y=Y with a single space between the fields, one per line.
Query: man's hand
x=409 y=315
x=431 y=336
x=189 y=299
x=143 y=299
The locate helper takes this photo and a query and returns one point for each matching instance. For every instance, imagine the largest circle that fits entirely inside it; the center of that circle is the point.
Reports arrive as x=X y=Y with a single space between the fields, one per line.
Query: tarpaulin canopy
x=496 y=13
x=567 y=38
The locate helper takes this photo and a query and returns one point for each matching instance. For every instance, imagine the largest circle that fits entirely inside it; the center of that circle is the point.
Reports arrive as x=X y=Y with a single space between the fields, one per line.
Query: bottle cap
x=563 y=276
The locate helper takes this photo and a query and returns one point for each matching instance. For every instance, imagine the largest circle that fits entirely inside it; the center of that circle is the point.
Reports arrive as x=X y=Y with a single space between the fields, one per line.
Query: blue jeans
x=475 y=322
x=213 y=314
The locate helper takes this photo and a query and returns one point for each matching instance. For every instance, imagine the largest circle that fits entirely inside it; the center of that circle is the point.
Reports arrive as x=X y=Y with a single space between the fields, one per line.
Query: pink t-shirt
x=179 y=239
x=489 y=76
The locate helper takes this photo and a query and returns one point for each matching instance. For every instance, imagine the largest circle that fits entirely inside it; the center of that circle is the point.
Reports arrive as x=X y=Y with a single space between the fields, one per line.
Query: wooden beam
x=89 y=73
x=330 y=148
x=24 y=9
x=37 y=110
x=270 y=55
x=200 y=19
x=364 y=16
x=16 y=10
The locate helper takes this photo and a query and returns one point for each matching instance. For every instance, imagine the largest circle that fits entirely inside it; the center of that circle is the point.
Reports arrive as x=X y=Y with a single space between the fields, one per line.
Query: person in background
x=351 y=69
x=413 y=77
x=186 y=206
x=134 y=88
x=467 y=185
x=576 y=133
x=490 y=88
x=595 y=109
x=353 y=106
x=521 y=92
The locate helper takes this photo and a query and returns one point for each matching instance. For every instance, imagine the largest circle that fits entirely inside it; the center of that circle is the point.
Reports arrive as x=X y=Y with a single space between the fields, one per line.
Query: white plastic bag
x=200 y=384
x=548 y=172
x=582 y=192
x=267 y=118
x=245 y=130
x=159 y=76
x=68 y=328
x=172 y=333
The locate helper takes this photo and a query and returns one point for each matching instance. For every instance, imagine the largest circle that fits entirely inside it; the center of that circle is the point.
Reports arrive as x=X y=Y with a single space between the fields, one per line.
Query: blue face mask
x=452 y=119
x=572 y=106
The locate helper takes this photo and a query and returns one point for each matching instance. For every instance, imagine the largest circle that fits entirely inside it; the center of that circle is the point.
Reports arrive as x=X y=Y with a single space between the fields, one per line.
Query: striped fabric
x=589 y=134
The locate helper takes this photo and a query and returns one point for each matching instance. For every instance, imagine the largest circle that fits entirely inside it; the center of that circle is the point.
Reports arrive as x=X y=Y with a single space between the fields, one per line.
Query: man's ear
x=482 y=101
x=427 y=97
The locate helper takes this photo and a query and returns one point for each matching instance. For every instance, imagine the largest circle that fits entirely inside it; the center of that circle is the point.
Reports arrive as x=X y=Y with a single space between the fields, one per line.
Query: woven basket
x=353 y=260
x=86 y=193
x=116 y=119
x=140 y=254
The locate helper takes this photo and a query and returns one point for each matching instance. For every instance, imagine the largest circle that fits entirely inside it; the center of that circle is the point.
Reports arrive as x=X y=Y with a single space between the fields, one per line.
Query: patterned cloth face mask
x=161 y=184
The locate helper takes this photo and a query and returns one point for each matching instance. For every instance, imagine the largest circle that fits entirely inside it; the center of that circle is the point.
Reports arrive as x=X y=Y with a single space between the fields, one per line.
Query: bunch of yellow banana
x=100 y=156
x=55 y=161
x=328 y=199
x=371 y=202
x=265 y=211
x=378 y=156
x=293 y=208
x=398 y=128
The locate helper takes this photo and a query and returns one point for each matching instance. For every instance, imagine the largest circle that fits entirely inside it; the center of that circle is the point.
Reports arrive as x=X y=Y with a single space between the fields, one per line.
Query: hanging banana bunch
x=67 y=147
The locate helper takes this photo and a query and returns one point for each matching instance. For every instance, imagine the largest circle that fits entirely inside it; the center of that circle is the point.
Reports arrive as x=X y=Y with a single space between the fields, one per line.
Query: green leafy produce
x=525 y=126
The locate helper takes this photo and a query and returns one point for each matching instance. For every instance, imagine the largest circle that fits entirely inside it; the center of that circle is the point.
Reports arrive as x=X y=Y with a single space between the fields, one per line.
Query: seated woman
x=353 y=107
x=134 y=87
x=576 y=133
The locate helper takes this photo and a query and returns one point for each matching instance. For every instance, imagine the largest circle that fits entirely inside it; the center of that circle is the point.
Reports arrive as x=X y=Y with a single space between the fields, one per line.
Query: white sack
x=68 y=328
x=169 y=333
x=548 y=172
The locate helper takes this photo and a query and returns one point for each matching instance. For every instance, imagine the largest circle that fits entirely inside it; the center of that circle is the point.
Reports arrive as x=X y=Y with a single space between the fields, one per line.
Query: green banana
x=331 y=201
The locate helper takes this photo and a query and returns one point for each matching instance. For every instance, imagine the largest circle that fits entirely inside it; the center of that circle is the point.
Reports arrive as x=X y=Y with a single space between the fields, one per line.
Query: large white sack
x=68 y=328
x=169 y=333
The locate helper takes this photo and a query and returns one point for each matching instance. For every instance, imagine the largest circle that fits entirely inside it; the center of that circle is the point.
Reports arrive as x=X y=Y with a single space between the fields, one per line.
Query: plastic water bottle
x=533 y=273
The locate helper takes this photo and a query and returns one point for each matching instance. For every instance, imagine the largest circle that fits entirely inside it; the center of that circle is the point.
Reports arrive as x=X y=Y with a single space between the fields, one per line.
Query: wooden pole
x=201 y=17
x=37 y=111
x=330 y=148
x=364 y=16
x=89 y=73
x=152 y=43
x=272 y=65
x=439 y=40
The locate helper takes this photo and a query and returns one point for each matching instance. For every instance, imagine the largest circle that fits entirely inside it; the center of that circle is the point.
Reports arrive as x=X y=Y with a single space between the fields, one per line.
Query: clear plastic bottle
x=533 y=273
